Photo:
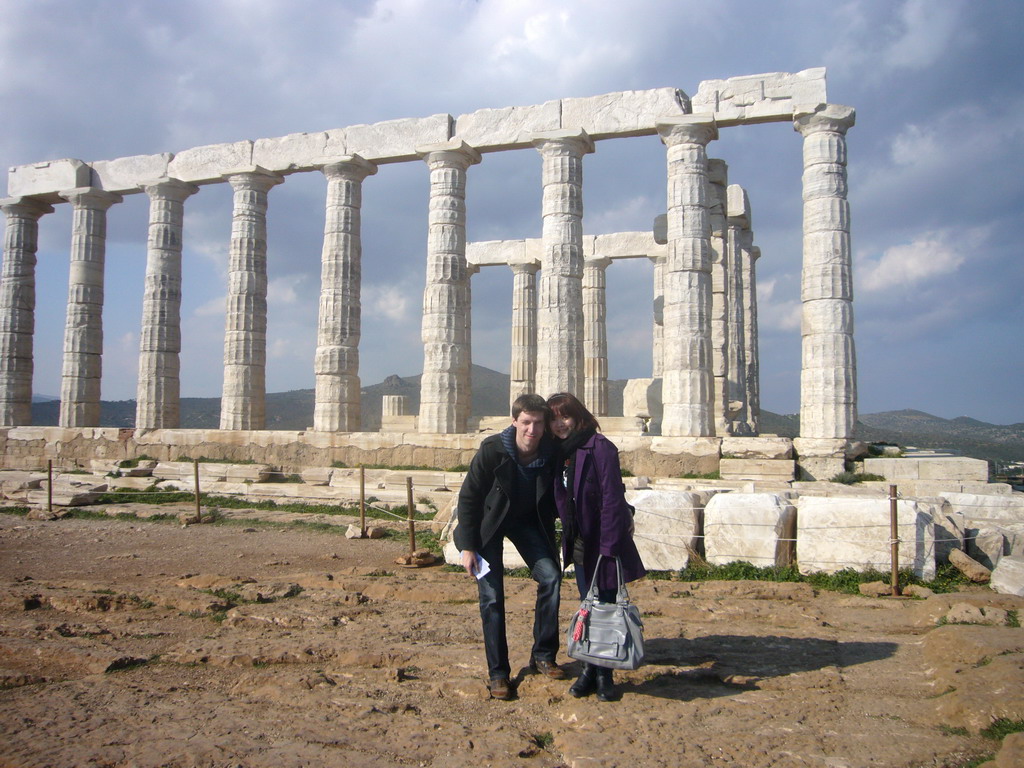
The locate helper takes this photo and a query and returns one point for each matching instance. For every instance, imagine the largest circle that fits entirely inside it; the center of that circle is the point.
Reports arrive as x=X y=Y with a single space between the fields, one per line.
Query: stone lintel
x=764 y=98
x=292 y=153
x=623 y=245
x=396 y=141
x=210 y=164
x=126 y=175
x=494 y=253
x=43 y=180
x=495 y=130
x=622 y=114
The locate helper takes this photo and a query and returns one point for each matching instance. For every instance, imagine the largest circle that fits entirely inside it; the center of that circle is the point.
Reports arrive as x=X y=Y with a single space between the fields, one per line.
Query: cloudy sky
x=935 y=167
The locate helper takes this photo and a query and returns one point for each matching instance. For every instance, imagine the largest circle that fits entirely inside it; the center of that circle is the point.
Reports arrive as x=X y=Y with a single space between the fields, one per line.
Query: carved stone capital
x=90 y=197
x=557 y=142
x=597 y=262
x=834 y=118
x=167 y=188
x=24 y=207
x=453 y=153
x=350 y=168
x=253 y=178
x=688 y=129
x=524 y=267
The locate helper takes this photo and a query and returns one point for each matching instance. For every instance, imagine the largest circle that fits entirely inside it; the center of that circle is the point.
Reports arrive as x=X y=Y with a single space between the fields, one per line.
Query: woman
x=596 y=520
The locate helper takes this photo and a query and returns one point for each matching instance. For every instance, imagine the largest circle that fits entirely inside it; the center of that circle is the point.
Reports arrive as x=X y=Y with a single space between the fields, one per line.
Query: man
x=508 y=494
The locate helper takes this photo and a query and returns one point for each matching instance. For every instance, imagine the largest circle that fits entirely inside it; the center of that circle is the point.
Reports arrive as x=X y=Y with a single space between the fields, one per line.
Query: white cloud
x=927 y=31
x=929 y=256
x=387 y=302
x=774 y=312
x=284 y=290
x=213 y=307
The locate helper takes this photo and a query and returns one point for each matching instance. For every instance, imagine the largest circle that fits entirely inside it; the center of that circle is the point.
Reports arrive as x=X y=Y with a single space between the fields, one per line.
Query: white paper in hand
x=482 y=567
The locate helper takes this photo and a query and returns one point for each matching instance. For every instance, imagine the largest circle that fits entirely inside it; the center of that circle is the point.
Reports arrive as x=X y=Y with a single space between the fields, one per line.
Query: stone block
x=494 y=253
x=757 y=447
x=668 y=526
x=757 y=469
x=47 y=179
x=642 y=399
x=622 y=425
x=126 y=175
x=1008 y=576
x=395 y=141
x=938 y=468
x=209 y=164
x=405 y=423
x=969 y=567
x=757 y=528
x=982 y=507
x=949 y=533
x=769 y=97
x=835 y=533
x=491 y=130
x=626 y=113
x=623 y=245
x=287 y=154
x=316 y=475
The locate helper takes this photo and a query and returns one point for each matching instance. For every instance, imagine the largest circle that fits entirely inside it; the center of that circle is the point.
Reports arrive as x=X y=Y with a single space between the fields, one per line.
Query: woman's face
x=562 y=426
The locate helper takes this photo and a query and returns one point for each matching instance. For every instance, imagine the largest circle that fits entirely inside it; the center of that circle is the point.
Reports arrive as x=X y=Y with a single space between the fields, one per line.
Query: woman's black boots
x=586 y=683
x=605 y=685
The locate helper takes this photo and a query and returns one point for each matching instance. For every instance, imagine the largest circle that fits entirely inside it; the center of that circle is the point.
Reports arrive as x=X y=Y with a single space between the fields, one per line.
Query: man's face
x=529 y=430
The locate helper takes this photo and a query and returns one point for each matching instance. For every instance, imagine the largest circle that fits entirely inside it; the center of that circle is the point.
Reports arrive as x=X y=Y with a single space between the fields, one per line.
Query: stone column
x=721 y=341
x=740 y=308
x=83 y=331
x=18 y=308
x=658 y=329
x=687 y=381
x=524 y=330
x=158 y=404
x=751 y=358
x=464 y=395
x=336 y=367
x=243 y=404
x=444 y=388
x=828 y=381
x=560 y=298
x=595 y=336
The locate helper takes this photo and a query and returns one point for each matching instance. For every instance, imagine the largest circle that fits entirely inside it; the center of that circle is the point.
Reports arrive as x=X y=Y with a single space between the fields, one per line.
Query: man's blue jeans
x=540 y=558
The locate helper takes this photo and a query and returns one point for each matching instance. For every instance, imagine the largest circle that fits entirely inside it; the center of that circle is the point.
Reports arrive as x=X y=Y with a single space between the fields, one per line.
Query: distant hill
x=963 y=435
x=294 y=411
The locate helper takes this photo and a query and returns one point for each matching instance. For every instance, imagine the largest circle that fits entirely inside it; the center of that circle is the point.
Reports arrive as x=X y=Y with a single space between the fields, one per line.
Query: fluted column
x=158 y=403
x=243 y=403
x=751 y=358
x=464 y=394
x=18 y=308
x=687 y=388
x=595 y=336
x=658 y=326
x=828 y=380
x=721 y=342
x=740 y=308
x=560 y=296
x=444 y=387
x=336 y=366
x=83 y=330
x=524 y=330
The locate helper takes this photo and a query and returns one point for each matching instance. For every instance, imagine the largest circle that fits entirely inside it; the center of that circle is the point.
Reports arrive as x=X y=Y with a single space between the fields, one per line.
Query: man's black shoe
x=501 y=688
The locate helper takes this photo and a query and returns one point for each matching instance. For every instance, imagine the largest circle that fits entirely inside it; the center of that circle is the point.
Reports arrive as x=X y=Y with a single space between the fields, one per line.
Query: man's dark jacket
x=486 y=492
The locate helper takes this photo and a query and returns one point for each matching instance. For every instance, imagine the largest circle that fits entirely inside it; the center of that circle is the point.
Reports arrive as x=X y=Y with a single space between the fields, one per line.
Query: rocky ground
x=130 y=643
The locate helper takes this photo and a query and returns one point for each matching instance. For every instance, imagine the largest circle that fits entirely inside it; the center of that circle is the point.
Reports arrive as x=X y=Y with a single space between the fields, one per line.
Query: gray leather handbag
x=607 y=634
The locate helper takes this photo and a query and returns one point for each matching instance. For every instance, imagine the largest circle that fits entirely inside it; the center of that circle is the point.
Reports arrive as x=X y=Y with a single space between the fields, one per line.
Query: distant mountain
x=963 y=435
x=294 y=411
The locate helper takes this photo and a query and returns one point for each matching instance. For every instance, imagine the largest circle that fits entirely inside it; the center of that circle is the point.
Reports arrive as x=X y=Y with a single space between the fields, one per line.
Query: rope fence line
x=893 y=541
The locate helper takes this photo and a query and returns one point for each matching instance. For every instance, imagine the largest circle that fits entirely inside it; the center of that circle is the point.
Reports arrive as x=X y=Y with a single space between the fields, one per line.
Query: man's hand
x=469 y=561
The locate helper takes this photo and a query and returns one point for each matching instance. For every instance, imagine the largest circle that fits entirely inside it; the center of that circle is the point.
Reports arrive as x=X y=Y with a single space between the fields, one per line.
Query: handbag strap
x=621 y=595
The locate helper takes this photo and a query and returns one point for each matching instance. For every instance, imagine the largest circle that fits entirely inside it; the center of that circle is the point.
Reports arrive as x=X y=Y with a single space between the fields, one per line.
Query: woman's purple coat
x=603 y=519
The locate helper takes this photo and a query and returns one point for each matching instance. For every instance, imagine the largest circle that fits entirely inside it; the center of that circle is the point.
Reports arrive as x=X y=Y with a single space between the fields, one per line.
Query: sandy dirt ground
x=130 y=643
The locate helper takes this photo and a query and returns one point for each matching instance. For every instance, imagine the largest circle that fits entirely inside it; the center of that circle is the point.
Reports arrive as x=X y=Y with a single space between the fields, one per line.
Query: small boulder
x=875 y=589
x=965 y=613
x=1008 y=576
x=969 y=567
